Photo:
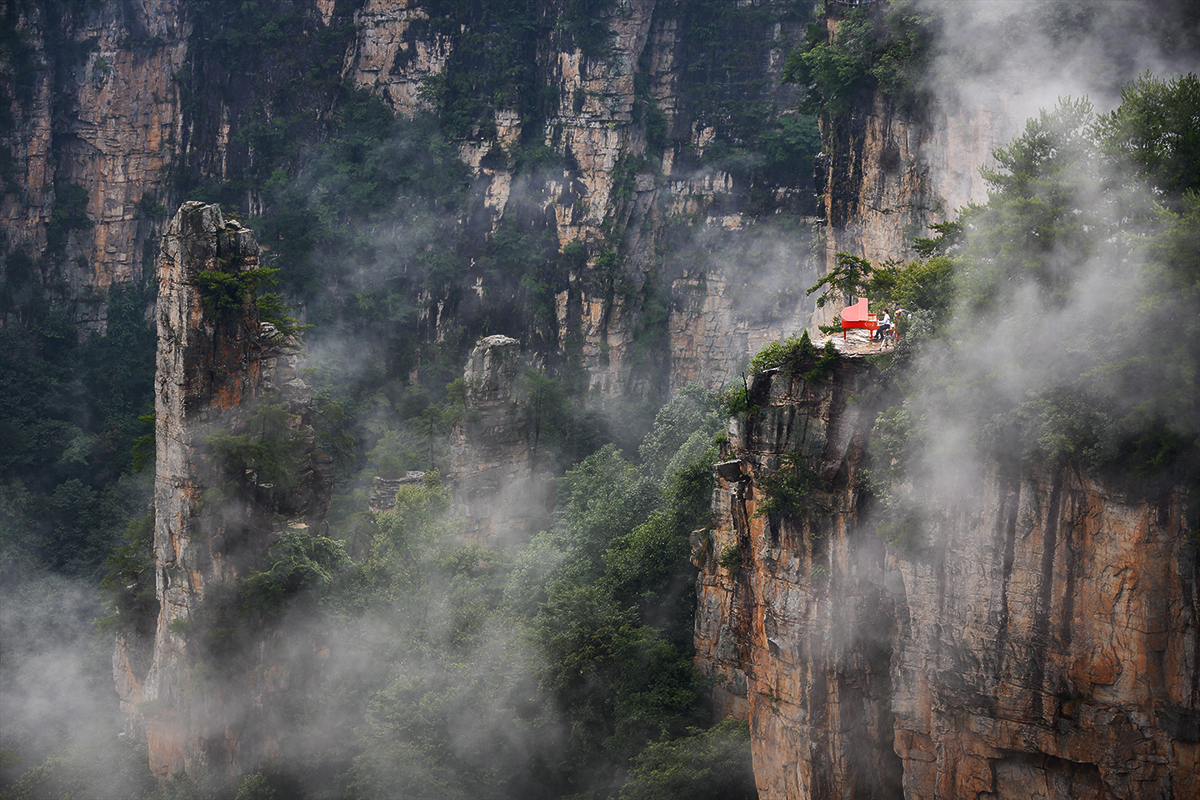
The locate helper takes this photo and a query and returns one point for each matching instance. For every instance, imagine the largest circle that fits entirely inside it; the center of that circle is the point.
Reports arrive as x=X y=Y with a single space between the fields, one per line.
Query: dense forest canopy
x=561 y=668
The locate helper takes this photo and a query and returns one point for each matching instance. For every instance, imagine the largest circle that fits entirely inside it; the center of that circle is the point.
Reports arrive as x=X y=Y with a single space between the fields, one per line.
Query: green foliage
x=68 y=417
x=300 y=563
x=679 y=432
x=730 y=560
x=130 y=578
x=586 y=22
x=1039 y=206
x=793 y=350
x=788 y=490
x=738 y=399
x=1065 y=264
x=947 y=235
x=144 y=448
x=69 y=214
x=925 y=285
x=273 y=309
x=225 y=293
x=711 y=764
x=610 y=587
x=598 y=500
x=1155 y=128
x=795 y=355
x=560 y=433
x=492 y=65
x=255 y=786
x=414 y=525
x=869 y=51
x=848 y=280
x=265 y=452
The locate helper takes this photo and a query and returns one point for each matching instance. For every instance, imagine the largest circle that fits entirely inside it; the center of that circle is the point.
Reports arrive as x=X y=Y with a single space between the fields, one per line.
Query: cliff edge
x=1038 y=638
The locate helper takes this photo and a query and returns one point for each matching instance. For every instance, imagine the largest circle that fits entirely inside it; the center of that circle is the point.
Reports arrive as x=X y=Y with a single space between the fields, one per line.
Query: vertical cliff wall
x=887 y=177
x=93 y=116
x=121 y=110
x=1039 y=638
x=221 y=373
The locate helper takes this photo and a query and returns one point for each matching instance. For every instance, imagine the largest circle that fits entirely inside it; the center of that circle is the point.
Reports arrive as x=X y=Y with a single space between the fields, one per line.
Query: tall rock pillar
x=223 y=379
x=499 y=492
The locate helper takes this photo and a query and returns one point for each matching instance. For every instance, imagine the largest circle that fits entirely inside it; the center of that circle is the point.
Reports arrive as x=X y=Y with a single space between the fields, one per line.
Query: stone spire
x=221 y=373
x=498 y=491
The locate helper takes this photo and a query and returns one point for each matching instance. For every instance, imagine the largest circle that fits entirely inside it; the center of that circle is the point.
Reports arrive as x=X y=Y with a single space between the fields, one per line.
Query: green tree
x=886 y=52
x=1062 y=267
x=711 y=764
x=847 y=282
x=299 y=564
x=1039 y=206
x=1157 y=128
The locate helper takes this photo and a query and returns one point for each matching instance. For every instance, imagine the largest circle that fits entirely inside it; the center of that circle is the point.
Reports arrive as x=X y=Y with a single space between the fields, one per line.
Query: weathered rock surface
x=501 y=492
x=383 y=490
x=1039 y=638
x=886 y=176
x=149 y=98
x=104 y=120
x=215 y=373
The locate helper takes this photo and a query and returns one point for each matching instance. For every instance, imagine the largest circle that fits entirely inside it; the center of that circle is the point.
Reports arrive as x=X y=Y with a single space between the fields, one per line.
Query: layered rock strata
x=1039 y=636
x=223 y=379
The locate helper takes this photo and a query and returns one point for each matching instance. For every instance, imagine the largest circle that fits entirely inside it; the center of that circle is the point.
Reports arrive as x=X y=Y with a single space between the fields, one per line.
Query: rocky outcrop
x=383 y=490
x=224 y=381
x=502 y=494
x=1039 y=637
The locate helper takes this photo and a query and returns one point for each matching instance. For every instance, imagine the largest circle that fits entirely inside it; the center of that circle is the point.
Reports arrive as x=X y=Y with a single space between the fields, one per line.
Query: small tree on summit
x=847 y=281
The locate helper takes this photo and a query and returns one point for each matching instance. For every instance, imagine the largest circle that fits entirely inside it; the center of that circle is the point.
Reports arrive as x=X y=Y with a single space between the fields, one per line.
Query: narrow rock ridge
x=1039 y=639
x=219 y=372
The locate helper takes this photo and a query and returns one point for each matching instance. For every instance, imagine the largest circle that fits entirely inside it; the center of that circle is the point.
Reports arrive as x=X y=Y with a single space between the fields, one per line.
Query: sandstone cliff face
x=215 y=372
x=101 y=114
x=887 y=179
x=1038 y=639
x=126 y=93
x=615 y=182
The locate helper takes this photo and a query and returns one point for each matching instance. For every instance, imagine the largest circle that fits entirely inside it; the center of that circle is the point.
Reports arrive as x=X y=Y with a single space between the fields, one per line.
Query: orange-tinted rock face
x=1040 y=639
x=107 y=123
x=213 y=372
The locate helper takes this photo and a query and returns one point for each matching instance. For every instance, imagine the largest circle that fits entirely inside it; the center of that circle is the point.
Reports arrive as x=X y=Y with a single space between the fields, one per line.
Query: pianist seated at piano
x=885 y=327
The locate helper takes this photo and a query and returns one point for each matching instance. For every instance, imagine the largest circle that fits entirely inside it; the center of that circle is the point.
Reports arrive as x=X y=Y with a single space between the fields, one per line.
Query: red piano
x=856 y=316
